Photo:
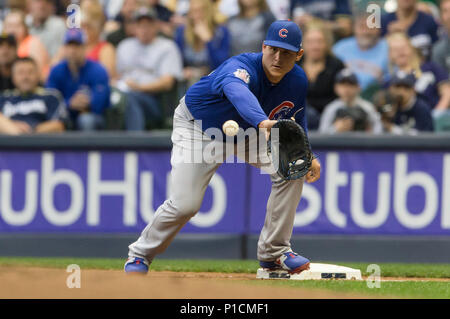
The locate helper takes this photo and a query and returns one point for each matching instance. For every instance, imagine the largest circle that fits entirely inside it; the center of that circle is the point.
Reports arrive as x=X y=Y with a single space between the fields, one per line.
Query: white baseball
x=230 y=128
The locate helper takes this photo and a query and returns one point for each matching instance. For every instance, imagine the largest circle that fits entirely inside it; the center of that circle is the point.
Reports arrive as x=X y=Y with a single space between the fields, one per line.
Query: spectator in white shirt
x=349 y=112
x=147 y=65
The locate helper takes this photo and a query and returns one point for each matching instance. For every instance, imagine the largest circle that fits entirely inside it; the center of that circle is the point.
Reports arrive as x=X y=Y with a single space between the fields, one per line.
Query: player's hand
x=266 y=126
x=314 y=173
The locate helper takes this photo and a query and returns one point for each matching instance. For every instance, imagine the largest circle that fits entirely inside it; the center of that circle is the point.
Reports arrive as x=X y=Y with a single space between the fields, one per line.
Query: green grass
x=226 y=266
x=408 y=289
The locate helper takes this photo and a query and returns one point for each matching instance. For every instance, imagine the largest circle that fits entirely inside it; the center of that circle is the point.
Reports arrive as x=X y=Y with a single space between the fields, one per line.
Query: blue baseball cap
x=284 y=34
x=74 y=35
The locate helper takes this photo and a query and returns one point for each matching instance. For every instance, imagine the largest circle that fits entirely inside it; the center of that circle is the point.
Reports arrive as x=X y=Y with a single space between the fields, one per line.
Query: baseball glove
x=291 y=154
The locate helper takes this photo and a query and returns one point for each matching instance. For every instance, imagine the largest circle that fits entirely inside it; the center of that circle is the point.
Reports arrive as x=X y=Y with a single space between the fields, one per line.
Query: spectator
x=44 y=24
x=366 y=54
x=6 y=6
x=28 y=45
x=111 y=8
x=203 y=44
x=279 y=8
x=255 y=18
x=412 y=114
x=29 y=108
x=180 y=9
x=147 y=65
x=166 y=26
x=124 y=23
x=421 y=27
x=83 y=83
x=432 y=81
x=97 y=50
x=429 y=7
x=441 y=49
x=336 y=14
x=321 y=68
x=8 y=53
x=349 y=112
x=61 y=6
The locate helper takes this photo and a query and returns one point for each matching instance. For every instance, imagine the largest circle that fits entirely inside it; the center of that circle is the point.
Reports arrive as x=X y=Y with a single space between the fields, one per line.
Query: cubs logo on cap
x=284 y=34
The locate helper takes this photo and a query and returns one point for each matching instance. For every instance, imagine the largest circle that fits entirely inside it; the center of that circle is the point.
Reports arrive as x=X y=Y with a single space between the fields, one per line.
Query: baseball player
x=255 y=90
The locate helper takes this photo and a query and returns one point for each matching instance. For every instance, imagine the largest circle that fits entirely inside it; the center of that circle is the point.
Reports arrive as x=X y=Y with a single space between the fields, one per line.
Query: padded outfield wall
x=379 y=199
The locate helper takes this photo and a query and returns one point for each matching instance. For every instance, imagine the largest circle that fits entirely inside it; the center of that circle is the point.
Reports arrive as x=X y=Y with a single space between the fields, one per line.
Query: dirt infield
x=51 y=283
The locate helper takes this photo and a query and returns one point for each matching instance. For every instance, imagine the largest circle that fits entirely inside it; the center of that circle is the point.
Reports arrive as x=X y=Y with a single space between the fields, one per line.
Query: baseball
x=230 y=128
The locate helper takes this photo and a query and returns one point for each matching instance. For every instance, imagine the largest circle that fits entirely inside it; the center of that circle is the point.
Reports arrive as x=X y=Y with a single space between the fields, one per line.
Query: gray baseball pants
x=188 y=182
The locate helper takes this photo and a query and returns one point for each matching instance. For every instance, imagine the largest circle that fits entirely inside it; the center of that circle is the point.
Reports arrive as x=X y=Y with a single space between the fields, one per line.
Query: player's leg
x=274 y=248
x=188 y=182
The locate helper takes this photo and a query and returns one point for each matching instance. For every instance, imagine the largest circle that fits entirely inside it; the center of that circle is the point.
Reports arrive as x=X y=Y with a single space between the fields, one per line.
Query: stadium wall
x=382 y=198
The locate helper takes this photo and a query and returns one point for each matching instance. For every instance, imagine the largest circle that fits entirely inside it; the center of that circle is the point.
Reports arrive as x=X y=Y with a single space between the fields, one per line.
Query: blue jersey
x=34 y=108
x=423 y=33
x=239 y=90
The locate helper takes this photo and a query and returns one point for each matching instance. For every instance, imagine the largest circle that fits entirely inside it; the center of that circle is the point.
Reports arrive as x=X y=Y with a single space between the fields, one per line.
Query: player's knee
x=188 y=208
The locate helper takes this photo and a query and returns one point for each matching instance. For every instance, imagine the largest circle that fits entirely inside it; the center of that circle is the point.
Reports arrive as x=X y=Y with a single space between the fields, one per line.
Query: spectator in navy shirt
x=432 y=82
x=421 y=27
x=412 y=113
x=441 y=49
x=335 y=13
x=30 y=108
x=83 y=83
x=204 y=45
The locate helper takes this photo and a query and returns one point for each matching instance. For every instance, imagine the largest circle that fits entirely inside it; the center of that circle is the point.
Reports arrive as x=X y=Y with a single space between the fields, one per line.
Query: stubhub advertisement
x=360 y=192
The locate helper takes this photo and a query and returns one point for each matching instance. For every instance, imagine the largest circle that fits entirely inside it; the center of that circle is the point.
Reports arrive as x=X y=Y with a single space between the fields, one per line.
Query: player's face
x=25 y=76
x=277 y=62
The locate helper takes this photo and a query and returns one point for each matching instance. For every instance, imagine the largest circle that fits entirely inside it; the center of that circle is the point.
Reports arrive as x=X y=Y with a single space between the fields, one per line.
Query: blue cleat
x=136 y=265
x=290 y=261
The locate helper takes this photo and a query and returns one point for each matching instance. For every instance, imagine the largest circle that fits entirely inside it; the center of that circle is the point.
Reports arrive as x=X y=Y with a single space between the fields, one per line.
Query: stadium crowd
x=123 y=64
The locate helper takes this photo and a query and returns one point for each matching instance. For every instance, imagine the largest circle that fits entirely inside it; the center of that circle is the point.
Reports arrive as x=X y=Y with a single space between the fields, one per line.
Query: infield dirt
x=46 y=283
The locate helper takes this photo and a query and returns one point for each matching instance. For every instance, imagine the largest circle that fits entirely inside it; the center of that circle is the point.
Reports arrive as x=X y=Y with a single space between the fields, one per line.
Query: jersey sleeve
x=233 y=71
x=245 y=103
x=234 y=81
